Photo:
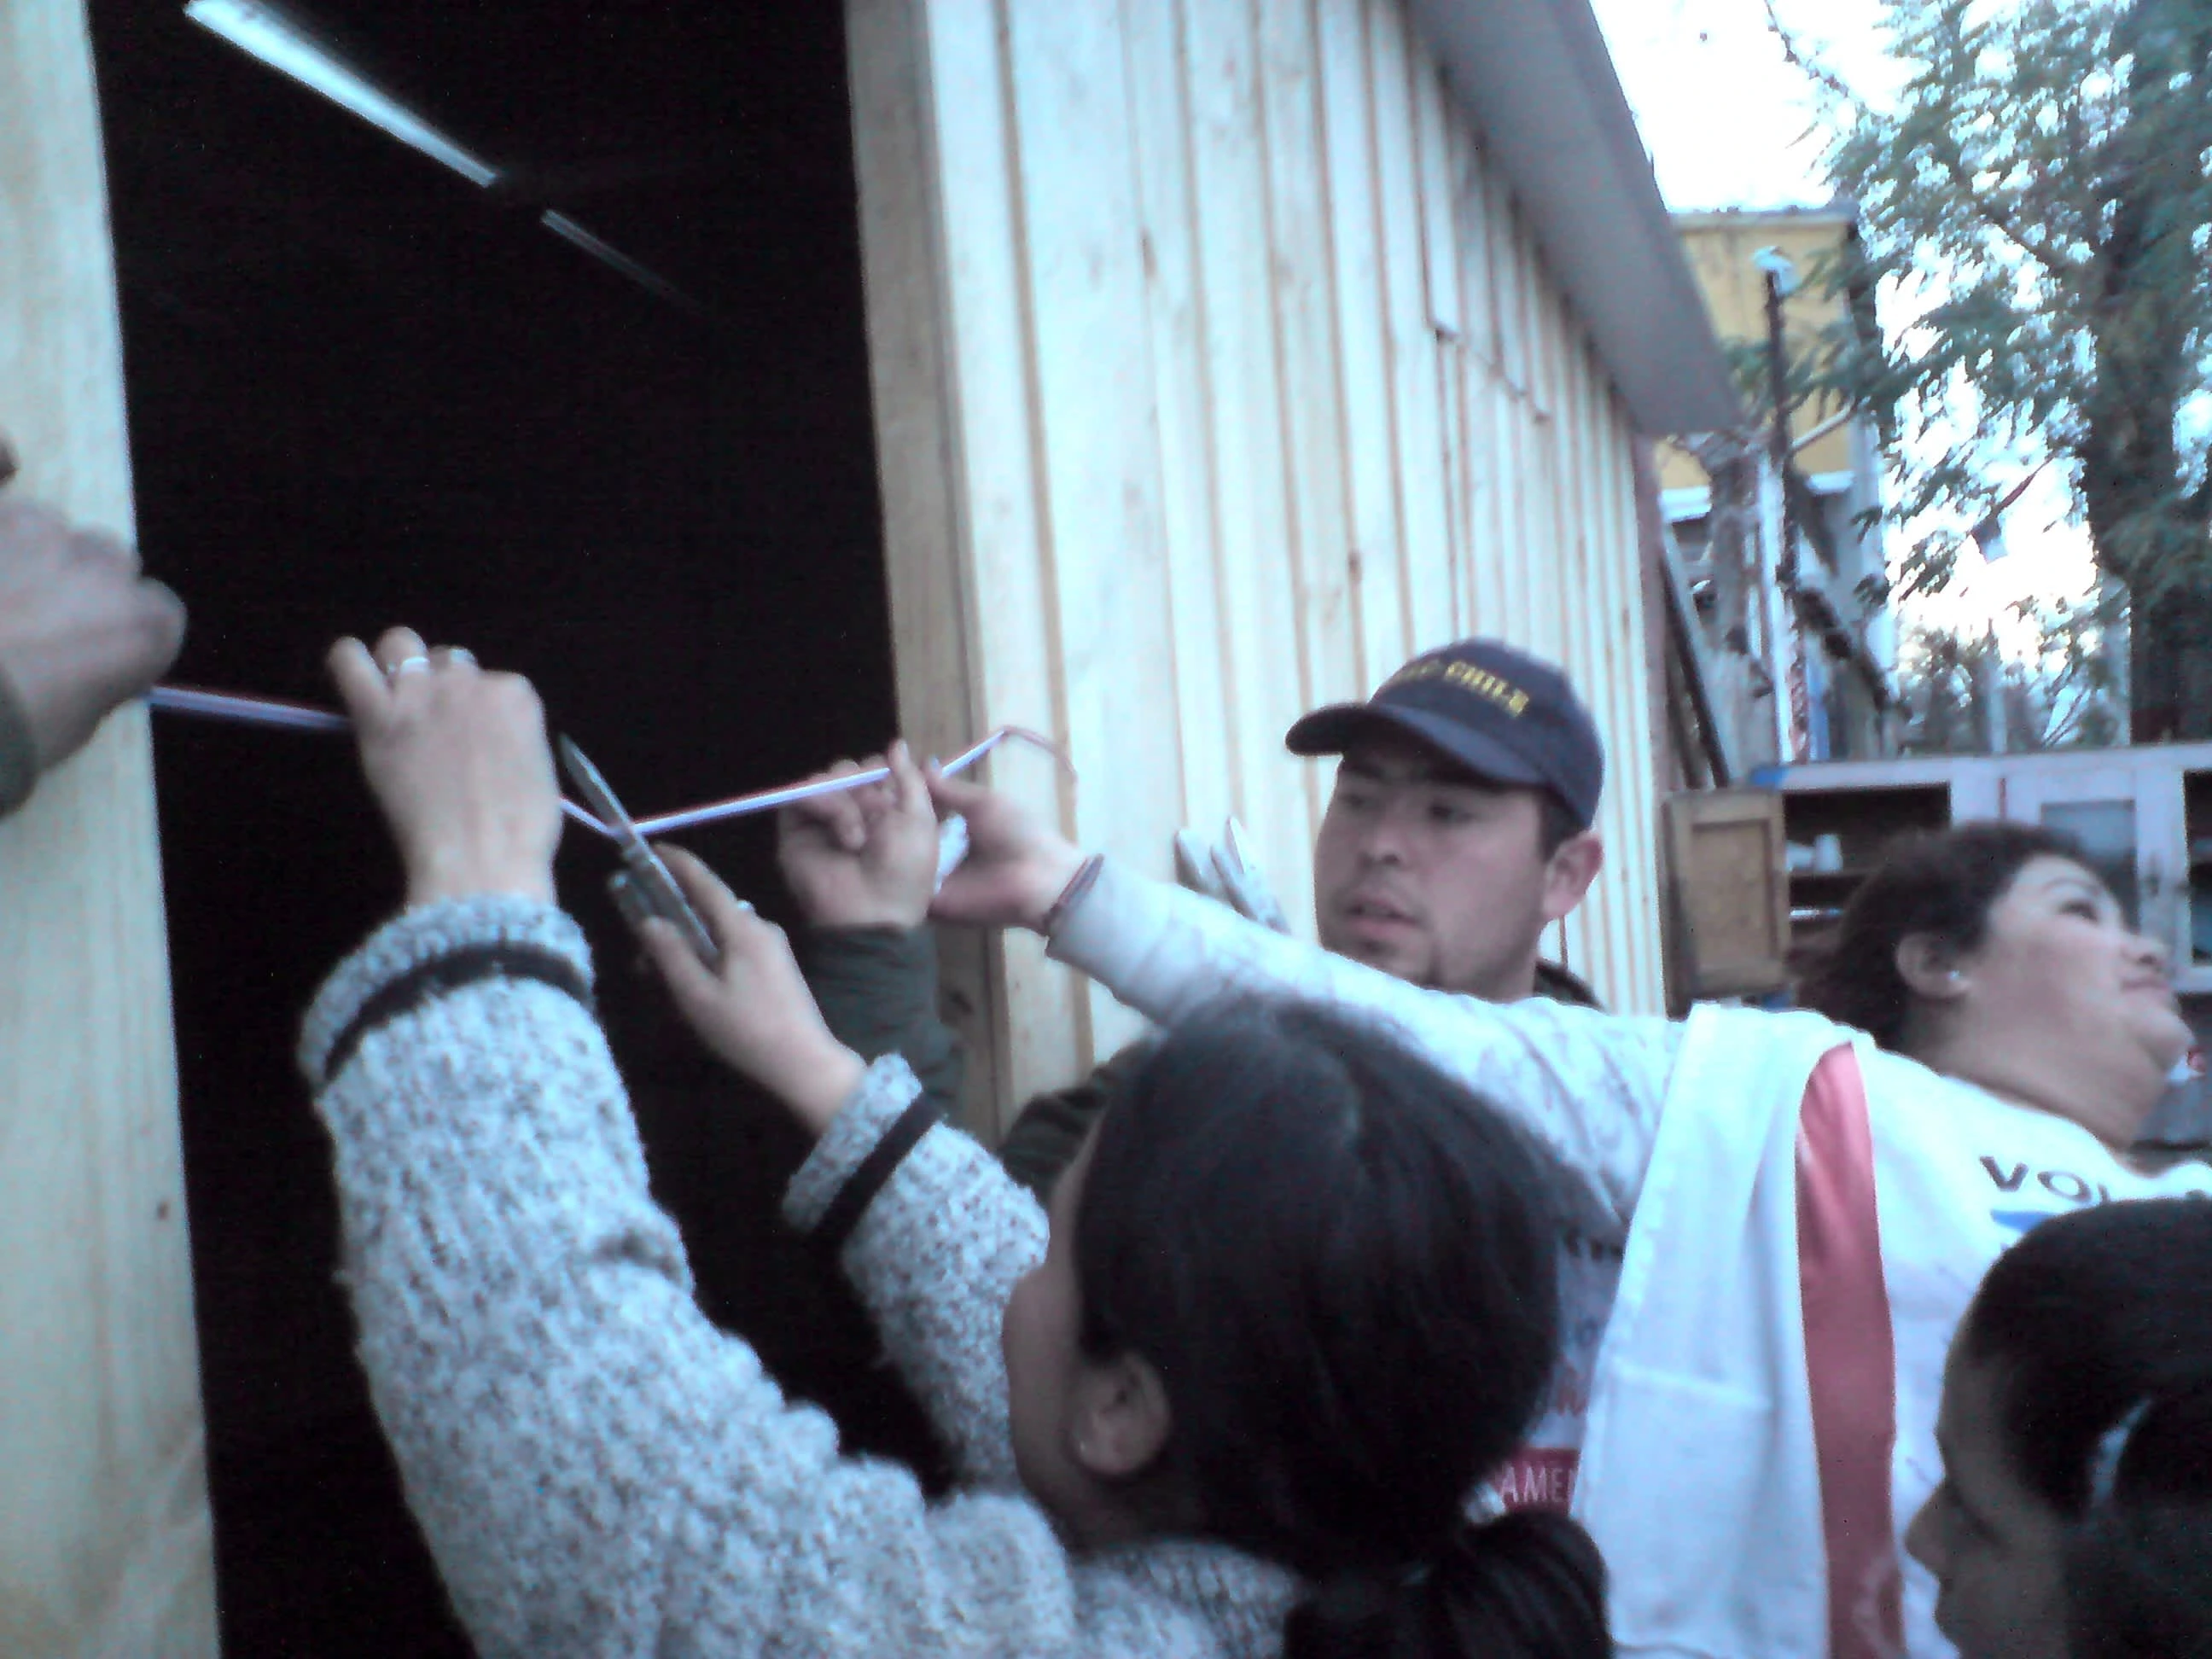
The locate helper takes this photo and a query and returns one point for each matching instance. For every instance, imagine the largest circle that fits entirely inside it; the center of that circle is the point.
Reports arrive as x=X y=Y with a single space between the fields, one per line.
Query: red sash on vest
x=1850 y=1360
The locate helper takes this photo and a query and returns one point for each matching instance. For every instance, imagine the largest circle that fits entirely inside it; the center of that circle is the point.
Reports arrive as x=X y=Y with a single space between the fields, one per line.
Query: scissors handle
x=643 y=888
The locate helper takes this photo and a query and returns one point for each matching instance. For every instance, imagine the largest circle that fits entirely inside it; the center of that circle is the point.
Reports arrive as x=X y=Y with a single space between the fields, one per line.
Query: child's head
x=1302 y=1296
x=2075 y=1518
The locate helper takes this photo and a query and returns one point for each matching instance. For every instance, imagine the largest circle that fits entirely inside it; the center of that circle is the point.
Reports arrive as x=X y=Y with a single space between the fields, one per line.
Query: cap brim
x=1335 y=730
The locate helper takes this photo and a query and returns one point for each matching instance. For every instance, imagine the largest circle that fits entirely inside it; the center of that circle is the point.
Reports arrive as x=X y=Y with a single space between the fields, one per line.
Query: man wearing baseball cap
x=1459 y=827
x=1458 y=830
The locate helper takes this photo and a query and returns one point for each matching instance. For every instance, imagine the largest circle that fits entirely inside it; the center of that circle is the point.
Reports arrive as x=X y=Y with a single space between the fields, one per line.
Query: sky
x=1729 y=123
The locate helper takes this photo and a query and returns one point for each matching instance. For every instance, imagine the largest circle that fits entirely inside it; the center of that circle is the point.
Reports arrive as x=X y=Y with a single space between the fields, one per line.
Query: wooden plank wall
x=1247 y=382
x=105 y=1544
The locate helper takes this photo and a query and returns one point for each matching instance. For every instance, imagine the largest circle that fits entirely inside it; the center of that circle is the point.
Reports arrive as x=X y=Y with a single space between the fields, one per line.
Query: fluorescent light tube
x=570 y=231
x=263 y=32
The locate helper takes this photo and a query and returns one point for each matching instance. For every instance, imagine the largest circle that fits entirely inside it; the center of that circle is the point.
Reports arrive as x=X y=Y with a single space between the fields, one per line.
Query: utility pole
x=1778 y=270
x=1793 y=696
x=1987 y=673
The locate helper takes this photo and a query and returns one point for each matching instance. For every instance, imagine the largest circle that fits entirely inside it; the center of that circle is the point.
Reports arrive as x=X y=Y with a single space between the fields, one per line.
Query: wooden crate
x=1730 y=921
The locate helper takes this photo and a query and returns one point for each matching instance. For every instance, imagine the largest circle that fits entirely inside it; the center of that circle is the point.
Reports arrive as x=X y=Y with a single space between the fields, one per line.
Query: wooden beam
x=940 y=706
x=105 y=1539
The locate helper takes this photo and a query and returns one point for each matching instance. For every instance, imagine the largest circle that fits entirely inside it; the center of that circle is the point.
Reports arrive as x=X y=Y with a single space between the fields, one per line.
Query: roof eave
x=1537 y=79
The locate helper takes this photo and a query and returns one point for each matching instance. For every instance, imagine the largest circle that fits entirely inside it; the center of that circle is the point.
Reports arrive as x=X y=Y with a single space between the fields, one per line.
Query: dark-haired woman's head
x=2075 y=1519
x=1992 y=952
x=1301 y=1297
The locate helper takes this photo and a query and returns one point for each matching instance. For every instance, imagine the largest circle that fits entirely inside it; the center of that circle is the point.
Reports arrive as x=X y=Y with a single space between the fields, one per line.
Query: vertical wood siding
x=1249 y=382
x=106 y=1546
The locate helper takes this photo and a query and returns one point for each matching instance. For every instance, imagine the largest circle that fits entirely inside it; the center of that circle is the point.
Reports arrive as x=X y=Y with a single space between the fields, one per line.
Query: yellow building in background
x=1722 y=250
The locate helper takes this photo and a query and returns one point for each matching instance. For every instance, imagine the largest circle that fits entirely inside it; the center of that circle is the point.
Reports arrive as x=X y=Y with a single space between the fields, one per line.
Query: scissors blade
x=646 y=888
x=597 y=796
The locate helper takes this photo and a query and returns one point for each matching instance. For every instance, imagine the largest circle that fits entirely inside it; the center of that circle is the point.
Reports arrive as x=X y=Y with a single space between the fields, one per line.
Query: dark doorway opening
x=364 y=390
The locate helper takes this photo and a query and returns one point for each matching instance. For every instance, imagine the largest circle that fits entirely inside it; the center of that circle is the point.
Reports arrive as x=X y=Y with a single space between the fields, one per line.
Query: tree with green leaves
x=2036 y=201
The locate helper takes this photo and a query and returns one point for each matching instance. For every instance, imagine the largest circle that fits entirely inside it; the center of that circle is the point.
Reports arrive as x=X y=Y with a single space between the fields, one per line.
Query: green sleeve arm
x=877 y=989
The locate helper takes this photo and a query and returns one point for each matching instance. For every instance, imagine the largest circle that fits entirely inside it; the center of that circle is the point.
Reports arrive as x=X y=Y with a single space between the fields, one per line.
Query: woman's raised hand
x=755 y=1012
x=458 y=760
x=1015 y=868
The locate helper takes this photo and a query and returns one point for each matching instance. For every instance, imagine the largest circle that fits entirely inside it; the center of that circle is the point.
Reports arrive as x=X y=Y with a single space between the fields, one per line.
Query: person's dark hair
x=1942 y=884
x=1559 y=824
x=1343 y=1266
x=2095 y=1328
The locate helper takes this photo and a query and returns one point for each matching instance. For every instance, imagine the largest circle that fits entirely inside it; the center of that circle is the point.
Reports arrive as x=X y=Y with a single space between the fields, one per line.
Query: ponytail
x=1528 y=1585
x=2139 y=1565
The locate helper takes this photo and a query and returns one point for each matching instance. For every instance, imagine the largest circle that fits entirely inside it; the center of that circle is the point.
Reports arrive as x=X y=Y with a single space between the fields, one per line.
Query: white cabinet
x=2144 y=816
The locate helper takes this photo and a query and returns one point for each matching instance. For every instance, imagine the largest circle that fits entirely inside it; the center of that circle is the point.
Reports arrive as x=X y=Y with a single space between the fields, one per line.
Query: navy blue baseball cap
x=1502 y=715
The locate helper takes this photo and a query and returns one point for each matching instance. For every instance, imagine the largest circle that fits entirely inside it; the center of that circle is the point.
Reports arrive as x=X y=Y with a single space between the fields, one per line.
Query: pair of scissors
x=643 y=888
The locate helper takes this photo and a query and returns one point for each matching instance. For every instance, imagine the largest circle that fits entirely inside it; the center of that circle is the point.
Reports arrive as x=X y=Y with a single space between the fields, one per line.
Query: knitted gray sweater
x=599 y=1470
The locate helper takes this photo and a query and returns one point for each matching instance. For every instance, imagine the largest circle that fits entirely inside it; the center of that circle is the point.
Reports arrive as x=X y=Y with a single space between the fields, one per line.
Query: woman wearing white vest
x=1809 y=1212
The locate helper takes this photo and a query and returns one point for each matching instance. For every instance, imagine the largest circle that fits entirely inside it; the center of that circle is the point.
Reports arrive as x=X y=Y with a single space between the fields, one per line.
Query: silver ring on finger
x=416 y=664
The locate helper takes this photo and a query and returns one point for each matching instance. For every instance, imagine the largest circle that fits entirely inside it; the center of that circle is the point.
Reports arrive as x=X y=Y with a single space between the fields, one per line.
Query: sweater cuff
x=421 y=936
x=18 y=755
x=887 y=1089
